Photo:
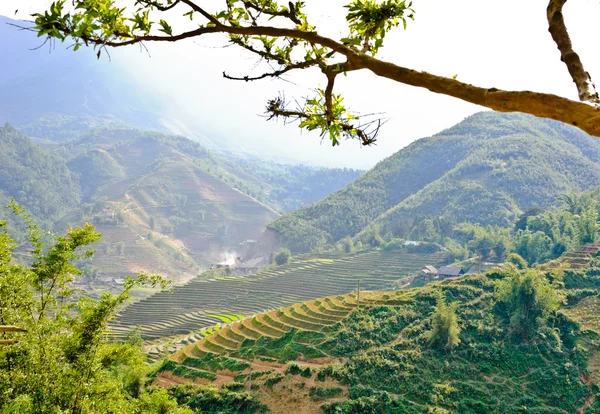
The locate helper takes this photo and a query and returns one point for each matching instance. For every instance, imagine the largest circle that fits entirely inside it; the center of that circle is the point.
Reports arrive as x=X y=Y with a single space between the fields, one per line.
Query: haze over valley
x=160 y=252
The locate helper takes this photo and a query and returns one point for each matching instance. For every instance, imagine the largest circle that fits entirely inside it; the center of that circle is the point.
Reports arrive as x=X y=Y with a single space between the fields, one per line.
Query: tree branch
x=580 y=114
x=545 y=105
x=560 y=35
x=275 y=74
x=160 y=6
x=291 y=15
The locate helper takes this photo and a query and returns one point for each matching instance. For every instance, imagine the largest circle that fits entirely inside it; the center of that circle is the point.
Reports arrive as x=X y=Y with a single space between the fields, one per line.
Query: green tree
x=517 y=260
x=62 y=362
x=283 y=257
x=588 y=225
x=347 y=245
x=529 y=299
x=282 y=35
x=445 y=330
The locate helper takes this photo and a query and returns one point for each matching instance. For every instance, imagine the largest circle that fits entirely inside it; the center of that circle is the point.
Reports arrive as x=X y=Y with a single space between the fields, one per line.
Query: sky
x=490 y=43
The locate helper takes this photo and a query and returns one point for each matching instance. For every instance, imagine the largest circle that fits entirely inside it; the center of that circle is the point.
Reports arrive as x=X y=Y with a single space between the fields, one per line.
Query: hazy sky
x=491 y=43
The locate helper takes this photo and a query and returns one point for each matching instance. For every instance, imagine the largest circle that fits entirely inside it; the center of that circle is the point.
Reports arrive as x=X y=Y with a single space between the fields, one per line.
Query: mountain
x=164 y=203
x=35 y=177
x=50 y=92
x=487 y=169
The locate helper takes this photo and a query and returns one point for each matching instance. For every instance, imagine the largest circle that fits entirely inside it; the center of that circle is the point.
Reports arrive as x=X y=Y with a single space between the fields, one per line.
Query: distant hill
x=50 y=92
x=35 y=177
x=163 y=203
x=487 y=169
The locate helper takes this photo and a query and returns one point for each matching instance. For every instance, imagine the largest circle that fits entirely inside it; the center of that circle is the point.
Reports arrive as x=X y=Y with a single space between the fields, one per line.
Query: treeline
x=488 y=169
x=537 y=236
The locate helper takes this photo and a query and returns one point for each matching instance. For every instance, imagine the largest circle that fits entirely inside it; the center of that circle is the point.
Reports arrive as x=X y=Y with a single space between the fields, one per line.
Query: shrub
x=445 y=330
x=318 y=393
x=530 y=300
x=283 y=257
x=394 y=244
x=517 y=260
x=273 y=380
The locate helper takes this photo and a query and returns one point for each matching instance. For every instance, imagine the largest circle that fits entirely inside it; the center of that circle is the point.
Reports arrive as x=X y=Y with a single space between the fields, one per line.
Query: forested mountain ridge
x=164 y=203
x=487 y=169
x=35 y=177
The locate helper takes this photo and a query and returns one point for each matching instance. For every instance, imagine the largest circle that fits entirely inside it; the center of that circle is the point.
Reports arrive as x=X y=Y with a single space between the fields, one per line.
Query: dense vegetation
x=488 y=169
x=35 y=177
x=495 y=342
x=164 y=202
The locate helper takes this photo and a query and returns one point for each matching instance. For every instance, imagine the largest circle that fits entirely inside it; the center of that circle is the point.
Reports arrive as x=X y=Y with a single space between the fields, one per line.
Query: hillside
x=160 y=205
x=163 y=203
x=327 y=355
x=214 y=295
x=35 y=177
x=487 y=169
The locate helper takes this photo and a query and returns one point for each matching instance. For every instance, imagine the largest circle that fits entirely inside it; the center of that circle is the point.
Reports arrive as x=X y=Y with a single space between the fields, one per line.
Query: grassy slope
x=498 y=163
x=375 y=359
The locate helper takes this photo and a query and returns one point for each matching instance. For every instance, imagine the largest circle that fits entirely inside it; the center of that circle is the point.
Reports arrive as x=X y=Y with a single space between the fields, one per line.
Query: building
x=449 y=271
x=412 y=243
x=429 y=271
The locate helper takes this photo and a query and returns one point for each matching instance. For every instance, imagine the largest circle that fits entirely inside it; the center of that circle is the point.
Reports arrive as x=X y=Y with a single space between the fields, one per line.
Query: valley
x=192 y=307
x=164 y=250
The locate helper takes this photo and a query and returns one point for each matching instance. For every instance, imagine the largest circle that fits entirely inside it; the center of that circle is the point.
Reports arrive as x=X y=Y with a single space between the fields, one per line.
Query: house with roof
x=449 y=271
x=429 y=271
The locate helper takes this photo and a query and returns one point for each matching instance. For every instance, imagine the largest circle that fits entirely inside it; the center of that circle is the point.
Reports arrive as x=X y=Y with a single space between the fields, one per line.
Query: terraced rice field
x=579 y=258
x=219 y=356
x=312 y=316
x=202 y=303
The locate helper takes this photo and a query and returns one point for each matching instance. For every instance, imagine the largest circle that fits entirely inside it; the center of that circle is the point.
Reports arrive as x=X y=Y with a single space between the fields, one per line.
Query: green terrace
x=206 y=302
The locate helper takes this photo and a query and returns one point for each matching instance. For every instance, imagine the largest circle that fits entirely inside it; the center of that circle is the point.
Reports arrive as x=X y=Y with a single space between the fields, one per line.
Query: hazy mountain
x=49 y=91
x=487 y=169
x=163 y=203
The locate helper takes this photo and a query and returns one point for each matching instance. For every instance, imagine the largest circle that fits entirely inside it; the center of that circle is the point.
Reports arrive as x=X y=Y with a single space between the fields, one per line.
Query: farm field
x=200 y=303
x=328 y=355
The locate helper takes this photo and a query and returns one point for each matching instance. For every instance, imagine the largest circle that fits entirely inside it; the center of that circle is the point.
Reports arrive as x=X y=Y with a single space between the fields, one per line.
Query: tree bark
x=560 y=35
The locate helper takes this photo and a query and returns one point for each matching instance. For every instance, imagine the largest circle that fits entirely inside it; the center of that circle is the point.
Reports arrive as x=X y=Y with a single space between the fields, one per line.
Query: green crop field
x=202 y=303
x=328 y=355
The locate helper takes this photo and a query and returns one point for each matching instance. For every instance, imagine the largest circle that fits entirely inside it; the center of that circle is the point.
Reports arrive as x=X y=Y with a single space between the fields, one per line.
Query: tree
x=59 y=360
x=445 y=330
x=283 y=257
x=530 y=299
x=346 y=245
x=517 y=261
x=283 y=36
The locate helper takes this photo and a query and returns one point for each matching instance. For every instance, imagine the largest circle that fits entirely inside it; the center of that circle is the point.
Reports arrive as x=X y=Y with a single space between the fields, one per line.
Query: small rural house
x=429 y=271
x=449 y=271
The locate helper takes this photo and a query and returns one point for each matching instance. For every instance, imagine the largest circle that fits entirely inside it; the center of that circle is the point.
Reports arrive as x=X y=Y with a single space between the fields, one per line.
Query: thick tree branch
x=10 y=328
x=560 y=35
x=579 y=114
x=329 y=95
x=582 y=115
